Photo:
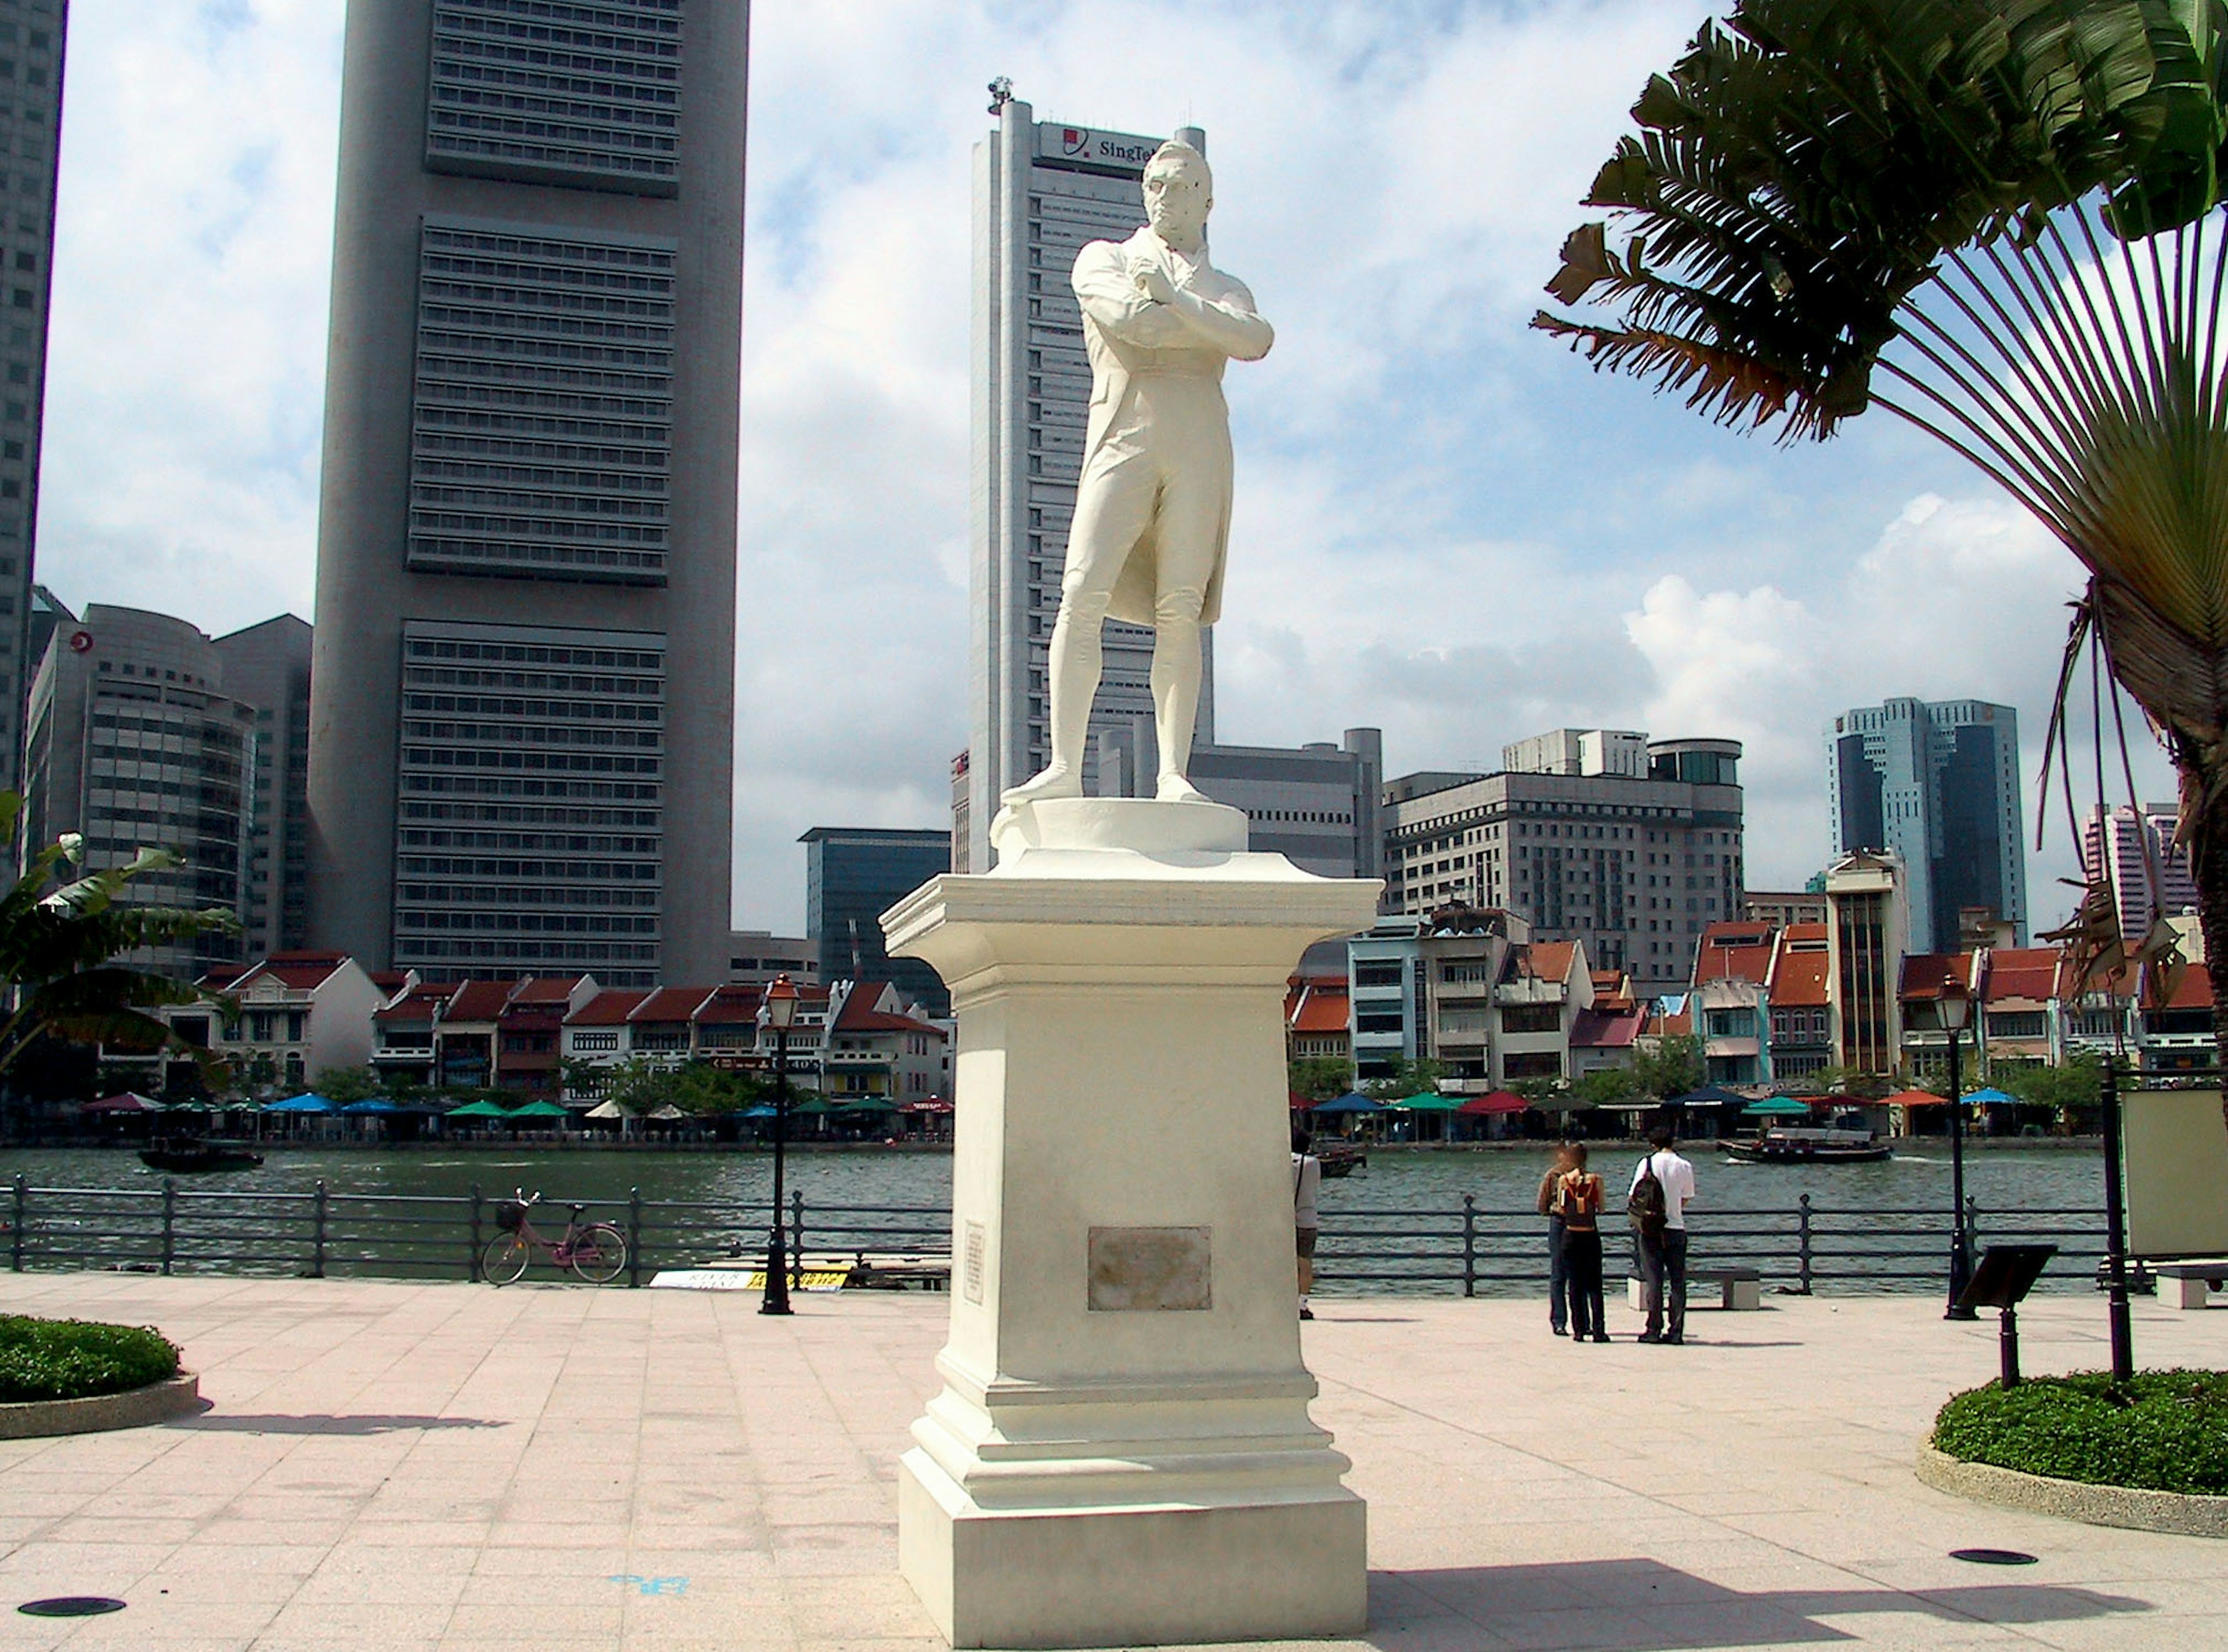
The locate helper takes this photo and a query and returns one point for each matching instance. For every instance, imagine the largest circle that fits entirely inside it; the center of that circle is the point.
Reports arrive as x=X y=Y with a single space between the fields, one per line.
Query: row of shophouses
x=1771 y=1003
x=283 y=1022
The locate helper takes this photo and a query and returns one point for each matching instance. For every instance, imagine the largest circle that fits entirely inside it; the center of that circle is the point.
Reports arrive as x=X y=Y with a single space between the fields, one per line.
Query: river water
x=2007 y=1179
x=1400 y=1224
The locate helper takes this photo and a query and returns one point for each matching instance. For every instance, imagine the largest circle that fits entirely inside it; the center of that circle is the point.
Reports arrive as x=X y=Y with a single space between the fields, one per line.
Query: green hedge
x=2167 y=1431
x=73 y=1359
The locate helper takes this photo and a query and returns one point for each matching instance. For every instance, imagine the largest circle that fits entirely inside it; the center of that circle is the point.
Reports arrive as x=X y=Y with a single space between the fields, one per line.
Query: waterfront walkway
x=401 y=1468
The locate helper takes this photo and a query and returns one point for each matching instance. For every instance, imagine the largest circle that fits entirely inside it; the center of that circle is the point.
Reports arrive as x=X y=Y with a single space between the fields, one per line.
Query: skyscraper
x=136 y=742
x=521 y=727
x=1938 y=785
x=267 y=666
x=1043 y=191
x=31 y=39
x=852 y=874
x=2149 y=874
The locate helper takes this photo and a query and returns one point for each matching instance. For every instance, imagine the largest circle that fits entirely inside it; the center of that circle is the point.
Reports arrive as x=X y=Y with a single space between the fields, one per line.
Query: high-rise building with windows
x=1043 y=190
x=268 y=666
x=2149 y=874
x=852 y=874
x=521 y=727
x=32 y=34
x=1938 y=785
x=136 y=743
x=1634 y=854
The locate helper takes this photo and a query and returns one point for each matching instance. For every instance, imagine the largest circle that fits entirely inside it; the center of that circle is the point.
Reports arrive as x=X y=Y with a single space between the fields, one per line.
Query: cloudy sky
x=1445 y=526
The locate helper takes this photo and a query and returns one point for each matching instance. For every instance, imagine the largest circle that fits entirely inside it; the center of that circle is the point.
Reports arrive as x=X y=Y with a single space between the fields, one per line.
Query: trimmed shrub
x=2167 y=1430
x=74 y=1359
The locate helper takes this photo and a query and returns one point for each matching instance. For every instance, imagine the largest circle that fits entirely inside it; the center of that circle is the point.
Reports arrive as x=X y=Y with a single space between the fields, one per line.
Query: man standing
x=1659 y=1220
x=1152 y=505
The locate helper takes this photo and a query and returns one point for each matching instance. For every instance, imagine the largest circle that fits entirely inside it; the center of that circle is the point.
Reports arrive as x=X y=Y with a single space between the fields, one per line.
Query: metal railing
x=1469 y=1249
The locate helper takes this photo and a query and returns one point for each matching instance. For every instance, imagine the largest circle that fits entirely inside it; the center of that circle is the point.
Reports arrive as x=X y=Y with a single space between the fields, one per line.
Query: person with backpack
x=1558 y=1282
x=1578 y=1199
x=1662 y=1188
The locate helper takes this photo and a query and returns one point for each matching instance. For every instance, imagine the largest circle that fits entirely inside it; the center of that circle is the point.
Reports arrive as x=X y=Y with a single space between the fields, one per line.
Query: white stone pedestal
x=1122 y=1452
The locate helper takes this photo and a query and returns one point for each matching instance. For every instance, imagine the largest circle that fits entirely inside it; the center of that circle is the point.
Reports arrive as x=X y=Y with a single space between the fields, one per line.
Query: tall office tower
x=2150 y=876
x=1318 y=805
x=1868 y=935
x=31 y=39
x=268 y=666
x=1635 y=857
x=852 y=874
x=1043 y=191
x=136 y=742
x=1938 y=784
x=523 y=709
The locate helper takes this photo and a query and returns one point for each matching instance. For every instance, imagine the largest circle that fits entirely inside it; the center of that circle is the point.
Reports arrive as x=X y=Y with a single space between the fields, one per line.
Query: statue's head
x=1179 y=193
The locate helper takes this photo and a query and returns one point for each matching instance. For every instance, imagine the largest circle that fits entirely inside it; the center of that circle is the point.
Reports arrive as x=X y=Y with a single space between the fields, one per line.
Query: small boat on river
x=1804 y=1144
x=1338 y=1160
x=187 y=1155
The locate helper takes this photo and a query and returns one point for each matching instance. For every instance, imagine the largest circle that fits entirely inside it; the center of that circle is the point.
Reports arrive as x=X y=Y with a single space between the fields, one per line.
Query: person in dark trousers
x=1578 y=1199
x=1307 y=1183
x=1659 y=1221
x=1558 y=1282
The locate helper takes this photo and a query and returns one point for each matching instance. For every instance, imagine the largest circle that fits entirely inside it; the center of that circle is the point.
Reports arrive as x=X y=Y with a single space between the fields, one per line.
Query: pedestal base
x=1131 y=1576
x=1121 y=1453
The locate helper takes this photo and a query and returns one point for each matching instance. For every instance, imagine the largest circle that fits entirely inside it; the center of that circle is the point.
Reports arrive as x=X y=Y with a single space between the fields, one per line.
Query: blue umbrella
x=1989 y=1099
x=759 y=1111
x=1352 y=1102
x=308 y=1102
x=378 y=1106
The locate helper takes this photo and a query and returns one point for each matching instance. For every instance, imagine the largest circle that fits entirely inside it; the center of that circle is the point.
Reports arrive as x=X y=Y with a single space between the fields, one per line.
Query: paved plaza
x=400 y=1468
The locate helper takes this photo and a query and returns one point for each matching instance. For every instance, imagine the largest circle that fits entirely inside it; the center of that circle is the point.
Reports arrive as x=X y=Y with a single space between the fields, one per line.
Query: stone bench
x=1739 y=1290
x=2198 y=1279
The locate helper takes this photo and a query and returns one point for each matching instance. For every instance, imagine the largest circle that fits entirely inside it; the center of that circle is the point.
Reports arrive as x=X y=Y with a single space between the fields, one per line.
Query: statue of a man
x=1152 y=508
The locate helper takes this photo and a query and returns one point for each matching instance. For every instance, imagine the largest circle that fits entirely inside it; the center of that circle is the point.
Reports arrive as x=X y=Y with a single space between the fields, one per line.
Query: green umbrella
x=478 y=1110
x=1431 y=1102
x=1777 y=1107
x=818 y=1105
x=869 y=1104
x=538 y=1110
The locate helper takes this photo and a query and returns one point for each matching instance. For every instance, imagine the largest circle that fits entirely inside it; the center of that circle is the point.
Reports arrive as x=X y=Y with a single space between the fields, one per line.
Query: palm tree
x=60 y=940
x=2000 y=221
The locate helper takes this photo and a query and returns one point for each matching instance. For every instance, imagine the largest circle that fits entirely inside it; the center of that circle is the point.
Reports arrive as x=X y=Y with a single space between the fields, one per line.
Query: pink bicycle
x=595 y=1251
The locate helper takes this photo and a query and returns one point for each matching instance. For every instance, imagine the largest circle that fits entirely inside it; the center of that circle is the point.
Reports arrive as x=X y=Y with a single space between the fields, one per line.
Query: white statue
x=1152 y=508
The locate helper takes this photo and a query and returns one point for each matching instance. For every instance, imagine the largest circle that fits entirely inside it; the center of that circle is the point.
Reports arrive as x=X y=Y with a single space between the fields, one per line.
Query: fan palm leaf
x=1999 y=220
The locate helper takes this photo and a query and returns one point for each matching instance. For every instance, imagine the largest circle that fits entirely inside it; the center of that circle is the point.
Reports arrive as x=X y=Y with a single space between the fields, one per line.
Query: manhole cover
x=1992 y=1557
x=71 y=1606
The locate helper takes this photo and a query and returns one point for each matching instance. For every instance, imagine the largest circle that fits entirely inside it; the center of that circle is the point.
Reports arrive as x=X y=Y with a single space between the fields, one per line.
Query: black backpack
x=1646 y=1208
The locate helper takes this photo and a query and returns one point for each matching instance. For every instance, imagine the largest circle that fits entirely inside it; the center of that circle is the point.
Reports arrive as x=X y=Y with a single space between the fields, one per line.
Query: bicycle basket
x=510 y=1215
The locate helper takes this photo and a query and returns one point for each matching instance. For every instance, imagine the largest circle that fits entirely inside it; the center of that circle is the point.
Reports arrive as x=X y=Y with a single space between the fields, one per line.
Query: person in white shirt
x=1662 y=1249
x=1307 y=1181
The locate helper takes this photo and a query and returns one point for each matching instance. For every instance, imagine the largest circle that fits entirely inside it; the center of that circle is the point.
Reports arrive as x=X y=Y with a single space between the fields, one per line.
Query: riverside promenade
x=401 y=1468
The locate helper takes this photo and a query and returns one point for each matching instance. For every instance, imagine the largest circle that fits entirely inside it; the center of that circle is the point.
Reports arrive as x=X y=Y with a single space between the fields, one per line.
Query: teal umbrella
x=1777 y=1107
x=1989 y=1097
x=478 y=1110
x=308 y=1102
x=1430 y=1102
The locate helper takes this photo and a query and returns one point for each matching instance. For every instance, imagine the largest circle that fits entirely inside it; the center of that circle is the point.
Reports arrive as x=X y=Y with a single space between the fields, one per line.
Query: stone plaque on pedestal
x=1121 y=1452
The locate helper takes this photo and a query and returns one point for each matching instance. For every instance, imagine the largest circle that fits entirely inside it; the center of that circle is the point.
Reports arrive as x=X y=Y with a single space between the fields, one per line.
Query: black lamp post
x=1953 y=1007
x=781 y=1015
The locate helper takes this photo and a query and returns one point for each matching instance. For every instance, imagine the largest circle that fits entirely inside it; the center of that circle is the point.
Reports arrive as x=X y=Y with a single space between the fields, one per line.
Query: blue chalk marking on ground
x=652 y=1585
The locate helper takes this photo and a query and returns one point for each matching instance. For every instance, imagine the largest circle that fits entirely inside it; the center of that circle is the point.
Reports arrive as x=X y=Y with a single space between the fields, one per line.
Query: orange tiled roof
x=1322 y=1009
x=859 y=1015
x=2022 y=972
x=733 y=1005
x=297 y=971
x=1798 y=980
x=1733 y=951
x=420 y=1003
x=545 y=990
x=1924 y=974
x=478 y=1001
x=671 y=1004
x=609 y=1007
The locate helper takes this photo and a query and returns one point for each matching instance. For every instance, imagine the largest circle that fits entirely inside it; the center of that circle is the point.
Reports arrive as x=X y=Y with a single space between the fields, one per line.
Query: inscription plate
x=1151 y=1270
x=970 y=1268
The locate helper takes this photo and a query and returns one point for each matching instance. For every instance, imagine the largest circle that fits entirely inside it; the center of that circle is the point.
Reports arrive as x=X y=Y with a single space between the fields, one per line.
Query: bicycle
x=595 y=1251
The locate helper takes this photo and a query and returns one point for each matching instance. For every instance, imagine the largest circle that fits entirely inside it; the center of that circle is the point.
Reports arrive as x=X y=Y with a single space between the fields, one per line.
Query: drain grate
x=1992 y=1557
x=70 y=1606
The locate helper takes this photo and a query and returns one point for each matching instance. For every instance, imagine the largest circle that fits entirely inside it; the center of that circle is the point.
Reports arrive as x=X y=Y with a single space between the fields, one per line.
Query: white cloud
x=1444 y=527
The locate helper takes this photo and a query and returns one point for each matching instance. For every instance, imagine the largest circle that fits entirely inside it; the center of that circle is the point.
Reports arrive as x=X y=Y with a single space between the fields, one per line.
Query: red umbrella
x=1494 y=1101
x=129 y=1102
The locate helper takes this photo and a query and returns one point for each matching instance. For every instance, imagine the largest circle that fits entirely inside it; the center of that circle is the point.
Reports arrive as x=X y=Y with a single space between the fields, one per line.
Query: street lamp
x=781 y=1015
x=1953 y=1007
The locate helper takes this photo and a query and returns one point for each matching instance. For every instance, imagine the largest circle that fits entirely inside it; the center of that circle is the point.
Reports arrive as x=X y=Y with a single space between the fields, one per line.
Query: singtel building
x=522 y=733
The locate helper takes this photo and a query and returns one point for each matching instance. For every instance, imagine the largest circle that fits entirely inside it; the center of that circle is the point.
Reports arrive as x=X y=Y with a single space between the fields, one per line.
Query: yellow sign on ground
x=2177 y=1159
